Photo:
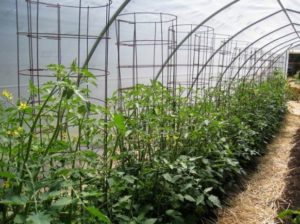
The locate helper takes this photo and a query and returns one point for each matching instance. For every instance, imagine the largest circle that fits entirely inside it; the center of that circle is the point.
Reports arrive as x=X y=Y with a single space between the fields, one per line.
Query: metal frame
x=232 y=37
x=254 y=42
x=39 y=40
x=261 y=48
x=290 y=45
x=229 y=57
x=192 y=32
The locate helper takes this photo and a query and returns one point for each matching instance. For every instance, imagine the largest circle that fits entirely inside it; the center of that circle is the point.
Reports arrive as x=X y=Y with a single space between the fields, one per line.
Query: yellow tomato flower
x=20 y=129
x=23 y=106
x=64 y=135
x=15 y=133
x=6 y=184
x=9 y=133
x=7 y=94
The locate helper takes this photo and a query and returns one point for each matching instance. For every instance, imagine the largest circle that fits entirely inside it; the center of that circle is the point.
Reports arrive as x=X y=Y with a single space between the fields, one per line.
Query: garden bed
x=275 y=184
x=166 y=158
x=258 y=202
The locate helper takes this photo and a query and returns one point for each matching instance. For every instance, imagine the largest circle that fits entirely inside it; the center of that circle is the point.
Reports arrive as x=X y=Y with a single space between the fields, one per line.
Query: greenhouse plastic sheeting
x=232 y=19
x=246 y=20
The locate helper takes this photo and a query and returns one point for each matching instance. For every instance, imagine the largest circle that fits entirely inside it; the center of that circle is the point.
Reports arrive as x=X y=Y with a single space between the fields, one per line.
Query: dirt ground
x=276 y=181
x=291 y=194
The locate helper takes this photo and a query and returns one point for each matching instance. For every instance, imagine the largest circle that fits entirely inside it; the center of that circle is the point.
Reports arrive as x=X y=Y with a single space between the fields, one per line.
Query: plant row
x=149 y=156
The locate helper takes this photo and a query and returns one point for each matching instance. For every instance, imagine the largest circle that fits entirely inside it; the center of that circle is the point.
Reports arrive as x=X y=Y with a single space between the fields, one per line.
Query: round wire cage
x=57 y=32
x=189 y=58
x=138 y=33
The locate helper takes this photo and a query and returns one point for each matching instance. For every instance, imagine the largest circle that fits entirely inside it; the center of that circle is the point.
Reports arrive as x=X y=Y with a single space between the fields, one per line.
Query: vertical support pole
x=18 y=50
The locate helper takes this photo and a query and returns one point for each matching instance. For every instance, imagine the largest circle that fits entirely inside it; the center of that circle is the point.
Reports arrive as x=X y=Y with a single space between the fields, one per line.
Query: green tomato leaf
x=19 y=219
x=78 y=93
x=180 y=197
x=209 y=189
x=83 y=109
x=125 y=199
x=130 y=179
x=50 y=195
x=189 y=198
x=200 y=200
x=206 y=122
x=288 y=212
x=150 y=221
x=32 y=88
x=63 y=202
x=119 y=122
x=214 y=200
x=175 y=215
x=86 y=73
x=128 y=133
x=96 y=213
x=168 y=177
x=39 y=218
x=15 y=200
x=7 y=175
x=74 y=67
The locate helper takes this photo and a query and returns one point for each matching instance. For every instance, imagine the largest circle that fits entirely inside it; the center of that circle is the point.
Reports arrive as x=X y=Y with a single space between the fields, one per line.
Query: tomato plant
x=159 y=157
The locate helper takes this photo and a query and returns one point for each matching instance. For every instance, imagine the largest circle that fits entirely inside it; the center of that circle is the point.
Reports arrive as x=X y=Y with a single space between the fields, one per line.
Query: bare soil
x=291 y=193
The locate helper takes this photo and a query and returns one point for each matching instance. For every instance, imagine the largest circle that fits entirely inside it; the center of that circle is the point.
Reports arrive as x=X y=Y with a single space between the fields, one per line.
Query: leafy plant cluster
x=150 y=156
x=293 y=216
x=297 y=76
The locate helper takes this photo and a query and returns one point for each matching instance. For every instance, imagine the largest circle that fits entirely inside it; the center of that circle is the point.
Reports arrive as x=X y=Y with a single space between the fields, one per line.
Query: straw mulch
x=258 y=203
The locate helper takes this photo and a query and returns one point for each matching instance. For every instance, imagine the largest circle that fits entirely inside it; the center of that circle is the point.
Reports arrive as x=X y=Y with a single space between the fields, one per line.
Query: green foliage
x=291 y=215
x=297 y=76
x=151 y=156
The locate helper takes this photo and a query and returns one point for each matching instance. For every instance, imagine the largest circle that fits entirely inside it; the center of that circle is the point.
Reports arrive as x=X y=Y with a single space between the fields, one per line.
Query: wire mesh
x=66 y=34
x=146 y=43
